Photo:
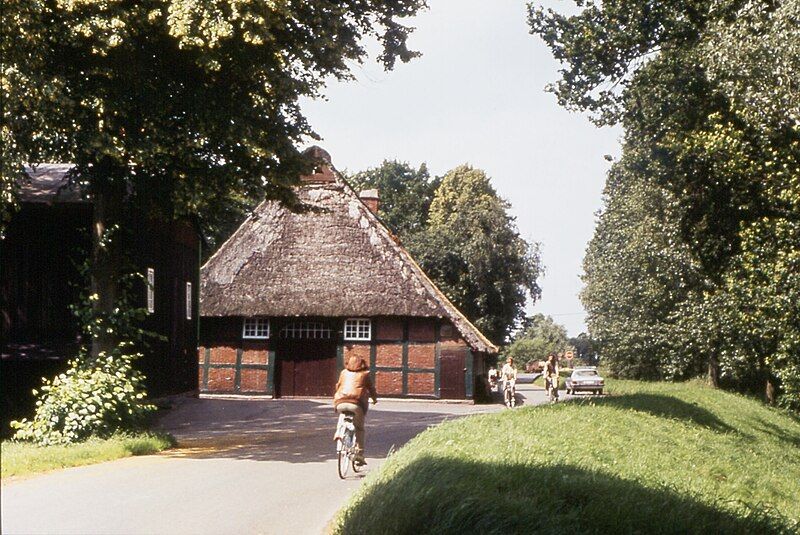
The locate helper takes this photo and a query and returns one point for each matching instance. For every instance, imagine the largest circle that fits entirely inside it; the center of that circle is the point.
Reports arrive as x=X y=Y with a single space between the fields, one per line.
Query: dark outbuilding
x=45 y=242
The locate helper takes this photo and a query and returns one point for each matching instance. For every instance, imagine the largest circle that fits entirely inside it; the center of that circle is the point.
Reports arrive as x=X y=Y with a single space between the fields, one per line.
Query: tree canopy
x=405 y=194
x=192 y=100
x=473 y=251
x=539 y=337
x=694 y=255
x=175 y=108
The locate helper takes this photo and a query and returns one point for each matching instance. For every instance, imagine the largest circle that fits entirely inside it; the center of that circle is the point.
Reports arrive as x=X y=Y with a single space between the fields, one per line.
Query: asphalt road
x=241 y=466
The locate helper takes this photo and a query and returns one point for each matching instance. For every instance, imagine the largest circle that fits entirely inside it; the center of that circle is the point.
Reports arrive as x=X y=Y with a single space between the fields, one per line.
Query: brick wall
x=253 y=380
x=421 y=384
x=389 y=383
x=388 y=329
x=389 y=355
x=422 y=356
x=421 y=330
x=232 y=369
x=402 y=357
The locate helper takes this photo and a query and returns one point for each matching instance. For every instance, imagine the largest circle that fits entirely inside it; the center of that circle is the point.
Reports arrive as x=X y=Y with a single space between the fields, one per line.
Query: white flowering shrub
x=93 y=398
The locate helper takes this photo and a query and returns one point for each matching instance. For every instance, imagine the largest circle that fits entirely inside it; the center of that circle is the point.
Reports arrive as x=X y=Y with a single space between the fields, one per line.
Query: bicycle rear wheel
x=343 y=462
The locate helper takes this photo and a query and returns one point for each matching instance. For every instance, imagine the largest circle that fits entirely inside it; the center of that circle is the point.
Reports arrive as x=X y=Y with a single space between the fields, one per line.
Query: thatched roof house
x=335 y=274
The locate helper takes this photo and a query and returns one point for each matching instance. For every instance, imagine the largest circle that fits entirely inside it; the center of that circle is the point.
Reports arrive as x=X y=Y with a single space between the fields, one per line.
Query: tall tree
x=405 y=194
x=636 y=273
x=708 y=96
x=174 y=107
x=584 y=348
x=472 y=249
x=540 y=337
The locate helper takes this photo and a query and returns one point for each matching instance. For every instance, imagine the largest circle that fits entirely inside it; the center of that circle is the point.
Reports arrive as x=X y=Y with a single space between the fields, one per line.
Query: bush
x=94 y=397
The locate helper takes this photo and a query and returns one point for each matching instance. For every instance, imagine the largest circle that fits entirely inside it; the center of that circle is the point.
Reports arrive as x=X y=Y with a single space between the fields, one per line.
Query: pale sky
x=477 y=96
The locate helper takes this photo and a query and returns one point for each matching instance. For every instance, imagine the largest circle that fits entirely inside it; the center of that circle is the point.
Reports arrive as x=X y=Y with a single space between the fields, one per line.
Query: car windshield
x=586 y=373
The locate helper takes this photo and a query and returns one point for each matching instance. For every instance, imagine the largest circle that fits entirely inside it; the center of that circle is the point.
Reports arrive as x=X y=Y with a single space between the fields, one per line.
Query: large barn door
x=452 y=372
x=306 y=359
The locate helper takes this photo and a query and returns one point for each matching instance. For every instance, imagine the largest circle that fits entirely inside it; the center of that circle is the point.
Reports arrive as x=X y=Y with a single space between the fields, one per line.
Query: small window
x=151 y=290
x=305 y=329
x=358 y=329
x=188 y=300
x=256 y=328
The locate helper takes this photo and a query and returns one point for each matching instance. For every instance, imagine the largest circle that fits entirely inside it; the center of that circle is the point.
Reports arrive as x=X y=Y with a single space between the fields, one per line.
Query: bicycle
x=346 y=444
x=509 y=394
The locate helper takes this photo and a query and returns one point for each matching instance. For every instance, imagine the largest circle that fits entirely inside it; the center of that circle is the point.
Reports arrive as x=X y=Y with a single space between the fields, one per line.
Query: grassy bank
x=22 y=459
x=653 y=457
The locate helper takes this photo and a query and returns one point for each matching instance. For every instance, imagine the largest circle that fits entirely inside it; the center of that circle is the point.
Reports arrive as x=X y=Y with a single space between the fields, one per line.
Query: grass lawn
x=22 y=459
x=650 y=458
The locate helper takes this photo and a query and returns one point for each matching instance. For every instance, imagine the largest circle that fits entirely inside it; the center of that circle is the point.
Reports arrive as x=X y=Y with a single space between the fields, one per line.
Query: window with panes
x=255 y=328
x=358 y=329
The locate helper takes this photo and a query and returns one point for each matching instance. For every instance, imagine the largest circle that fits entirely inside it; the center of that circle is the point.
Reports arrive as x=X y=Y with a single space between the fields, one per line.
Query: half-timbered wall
x=403 y=355
x=230 y=364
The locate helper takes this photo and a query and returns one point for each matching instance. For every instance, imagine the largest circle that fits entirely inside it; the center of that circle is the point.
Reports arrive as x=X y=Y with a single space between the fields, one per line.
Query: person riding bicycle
x=353 y=391
x=509 y=376
x=551 y=376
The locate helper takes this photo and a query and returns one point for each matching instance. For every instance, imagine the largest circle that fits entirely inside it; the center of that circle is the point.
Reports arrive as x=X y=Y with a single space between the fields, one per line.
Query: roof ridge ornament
x=322 y=172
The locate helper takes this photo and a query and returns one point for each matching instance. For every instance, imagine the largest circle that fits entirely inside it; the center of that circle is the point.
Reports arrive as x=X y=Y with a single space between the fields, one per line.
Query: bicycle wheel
x=343 y=463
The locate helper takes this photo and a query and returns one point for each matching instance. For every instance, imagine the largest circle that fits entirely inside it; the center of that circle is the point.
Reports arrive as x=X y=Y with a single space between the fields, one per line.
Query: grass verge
x=652 y=457
x=24 y=459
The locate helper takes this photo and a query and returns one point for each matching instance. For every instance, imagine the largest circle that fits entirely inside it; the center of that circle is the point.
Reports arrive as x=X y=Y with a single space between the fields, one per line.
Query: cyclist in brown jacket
x=353 y=391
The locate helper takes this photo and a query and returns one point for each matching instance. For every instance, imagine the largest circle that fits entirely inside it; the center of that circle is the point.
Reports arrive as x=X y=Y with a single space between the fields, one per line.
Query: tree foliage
x=539 y=337
x=695 y=254
x=175 y=108
x=473 y=251
x=460 y=232
x=189 y=99
x=405 y=194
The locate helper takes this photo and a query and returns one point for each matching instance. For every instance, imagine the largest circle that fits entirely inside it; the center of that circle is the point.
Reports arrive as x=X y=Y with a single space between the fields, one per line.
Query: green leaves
x=539 y=337
x=473 y=251
x=192 y=104
x=93 y=398
x=694 y=254
x=405 y=194
x=459 y=230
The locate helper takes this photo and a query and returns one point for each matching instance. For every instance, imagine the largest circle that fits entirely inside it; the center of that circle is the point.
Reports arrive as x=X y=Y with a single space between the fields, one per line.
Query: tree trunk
x=713 y=369
x=769 y=392
x=106 y=260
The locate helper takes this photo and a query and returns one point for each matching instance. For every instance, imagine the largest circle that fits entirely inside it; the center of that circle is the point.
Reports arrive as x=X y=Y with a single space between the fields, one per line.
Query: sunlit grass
x=652 y=457
x=23 y=459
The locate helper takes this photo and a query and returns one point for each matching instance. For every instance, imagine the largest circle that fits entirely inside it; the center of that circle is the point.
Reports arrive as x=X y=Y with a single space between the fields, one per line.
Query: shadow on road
x=295 y=431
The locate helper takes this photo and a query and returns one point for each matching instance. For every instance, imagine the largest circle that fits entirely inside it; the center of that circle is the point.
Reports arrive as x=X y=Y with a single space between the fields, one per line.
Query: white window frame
x=358 y=329
x=188 y=300
x=306 y=330
x=255 y=328
x=151 y=290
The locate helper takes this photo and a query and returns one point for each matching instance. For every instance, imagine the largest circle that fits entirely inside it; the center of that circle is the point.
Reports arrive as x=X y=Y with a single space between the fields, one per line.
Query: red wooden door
x=451 y=375
x=306 y=358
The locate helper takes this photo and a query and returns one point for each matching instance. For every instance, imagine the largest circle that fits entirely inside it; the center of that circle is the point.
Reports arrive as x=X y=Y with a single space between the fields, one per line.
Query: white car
x=585 y=379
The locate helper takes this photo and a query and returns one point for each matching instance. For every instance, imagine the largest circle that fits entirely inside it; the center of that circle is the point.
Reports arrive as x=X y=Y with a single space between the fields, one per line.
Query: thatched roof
x=334 y=259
